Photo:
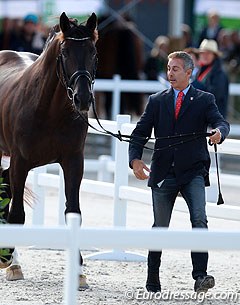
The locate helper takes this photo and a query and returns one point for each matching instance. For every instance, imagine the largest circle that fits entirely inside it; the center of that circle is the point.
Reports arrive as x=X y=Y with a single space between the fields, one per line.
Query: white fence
x=72 y=238
x=120 y=190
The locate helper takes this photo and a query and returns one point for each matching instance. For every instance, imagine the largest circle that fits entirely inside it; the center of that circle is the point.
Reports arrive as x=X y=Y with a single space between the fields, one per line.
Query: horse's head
x=78 y=59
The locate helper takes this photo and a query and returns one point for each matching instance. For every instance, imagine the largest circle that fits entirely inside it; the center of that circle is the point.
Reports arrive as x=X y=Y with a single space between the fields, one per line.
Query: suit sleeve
x=141 y=133
x=215 y=119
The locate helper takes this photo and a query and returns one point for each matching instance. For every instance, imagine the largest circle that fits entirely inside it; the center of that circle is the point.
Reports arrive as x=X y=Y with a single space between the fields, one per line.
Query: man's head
x=179 y=69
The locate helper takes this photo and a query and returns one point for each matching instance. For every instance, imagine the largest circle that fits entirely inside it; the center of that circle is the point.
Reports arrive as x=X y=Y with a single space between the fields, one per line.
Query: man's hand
x=216 y=138
x=138 y=169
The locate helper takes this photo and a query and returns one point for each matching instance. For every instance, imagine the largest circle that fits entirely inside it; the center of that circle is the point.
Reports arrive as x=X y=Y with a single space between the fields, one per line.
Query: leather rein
x=184 y=138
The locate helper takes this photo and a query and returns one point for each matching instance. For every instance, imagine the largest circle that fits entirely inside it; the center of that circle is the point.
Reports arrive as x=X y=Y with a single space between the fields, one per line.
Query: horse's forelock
x=76 y=31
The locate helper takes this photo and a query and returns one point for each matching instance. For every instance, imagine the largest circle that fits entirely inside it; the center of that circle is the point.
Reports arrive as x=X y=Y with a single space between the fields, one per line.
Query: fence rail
x=72 y=238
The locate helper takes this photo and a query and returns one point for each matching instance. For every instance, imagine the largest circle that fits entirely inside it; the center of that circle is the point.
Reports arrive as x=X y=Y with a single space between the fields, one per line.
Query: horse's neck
x=50 y=95
x=46 y=70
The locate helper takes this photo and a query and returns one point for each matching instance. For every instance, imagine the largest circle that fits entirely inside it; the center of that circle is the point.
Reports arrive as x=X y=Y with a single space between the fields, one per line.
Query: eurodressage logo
x=140 y=294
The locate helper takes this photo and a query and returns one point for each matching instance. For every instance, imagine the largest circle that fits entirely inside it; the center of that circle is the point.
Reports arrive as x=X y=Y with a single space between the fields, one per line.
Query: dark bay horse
x=120 y=51
x=44 y=103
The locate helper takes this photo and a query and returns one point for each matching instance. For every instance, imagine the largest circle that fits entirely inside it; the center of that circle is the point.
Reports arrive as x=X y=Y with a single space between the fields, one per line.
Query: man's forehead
x=175 y=62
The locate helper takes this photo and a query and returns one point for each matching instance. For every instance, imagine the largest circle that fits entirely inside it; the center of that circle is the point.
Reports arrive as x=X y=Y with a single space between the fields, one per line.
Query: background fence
x=118 y=85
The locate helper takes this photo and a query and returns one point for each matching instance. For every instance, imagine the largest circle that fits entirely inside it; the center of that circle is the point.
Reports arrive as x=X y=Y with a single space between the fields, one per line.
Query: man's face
x=177 y=76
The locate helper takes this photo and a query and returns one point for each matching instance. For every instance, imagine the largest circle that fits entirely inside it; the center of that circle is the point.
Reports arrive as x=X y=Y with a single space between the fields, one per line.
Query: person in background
x=155 y=65
x=29 y=38
x=187 y=36
x=212 y=29
x=181 y=109
x=212 y=75
x=195 y=57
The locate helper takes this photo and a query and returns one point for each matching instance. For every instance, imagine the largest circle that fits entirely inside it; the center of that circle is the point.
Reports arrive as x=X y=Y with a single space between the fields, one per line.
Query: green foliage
x=3 y=203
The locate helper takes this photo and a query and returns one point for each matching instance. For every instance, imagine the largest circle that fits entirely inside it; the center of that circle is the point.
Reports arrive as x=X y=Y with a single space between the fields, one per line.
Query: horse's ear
x=92 y=22
x=64 y=23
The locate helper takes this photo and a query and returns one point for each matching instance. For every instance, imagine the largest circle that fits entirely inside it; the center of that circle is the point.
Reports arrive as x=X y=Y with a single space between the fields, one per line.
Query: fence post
x=72 y=264
x=116 y=98
x=103 y=174
x=120 y=205
x=39 y=197
x=121 y=176
x=61 y=198
x=116 y=105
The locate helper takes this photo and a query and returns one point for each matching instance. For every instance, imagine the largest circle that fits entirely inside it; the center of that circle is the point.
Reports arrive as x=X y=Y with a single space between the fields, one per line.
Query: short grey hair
x=187 y=59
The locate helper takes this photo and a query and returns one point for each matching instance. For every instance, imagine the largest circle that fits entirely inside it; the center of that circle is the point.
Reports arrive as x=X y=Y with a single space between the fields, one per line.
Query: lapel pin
x=191 y=98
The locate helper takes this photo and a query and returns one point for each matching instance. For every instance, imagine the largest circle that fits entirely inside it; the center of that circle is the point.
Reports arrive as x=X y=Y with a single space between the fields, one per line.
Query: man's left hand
x=216 y=137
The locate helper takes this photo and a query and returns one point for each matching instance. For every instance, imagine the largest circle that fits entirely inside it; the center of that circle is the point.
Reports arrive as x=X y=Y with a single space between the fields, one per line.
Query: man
x=212 y=75
x=212 y=29
x=182 y=168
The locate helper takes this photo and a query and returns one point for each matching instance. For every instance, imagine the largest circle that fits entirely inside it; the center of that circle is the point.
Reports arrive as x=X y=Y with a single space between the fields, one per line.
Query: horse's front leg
x=73 y=173
x=18 y=172
x=17 y=175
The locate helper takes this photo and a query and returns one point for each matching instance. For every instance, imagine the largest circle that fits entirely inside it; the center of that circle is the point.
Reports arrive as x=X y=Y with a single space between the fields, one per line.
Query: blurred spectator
x=212 y=75
x=232 y=58
x=156 y=63
x=5 y=35
x=212 y=29
x=225 y=43
x=29 y=38
x=195 y=56
x=187 y=36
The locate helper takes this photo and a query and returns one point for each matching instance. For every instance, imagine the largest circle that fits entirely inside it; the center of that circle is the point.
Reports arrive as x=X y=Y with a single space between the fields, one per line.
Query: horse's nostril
x=82 y=102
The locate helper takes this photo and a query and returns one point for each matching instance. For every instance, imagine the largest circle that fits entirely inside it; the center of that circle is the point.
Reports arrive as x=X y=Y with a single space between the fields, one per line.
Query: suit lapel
x=169 y=102
x=188 y=100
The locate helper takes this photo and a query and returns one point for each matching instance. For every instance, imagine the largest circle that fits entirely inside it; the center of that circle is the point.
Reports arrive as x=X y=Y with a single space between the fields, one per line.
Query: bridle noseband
x=69 y=82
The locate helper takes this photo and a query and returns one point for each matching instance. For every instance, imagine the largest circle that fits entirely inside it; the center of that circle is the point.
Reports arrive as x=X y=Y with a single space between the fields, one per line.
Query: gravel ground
x=113 y=282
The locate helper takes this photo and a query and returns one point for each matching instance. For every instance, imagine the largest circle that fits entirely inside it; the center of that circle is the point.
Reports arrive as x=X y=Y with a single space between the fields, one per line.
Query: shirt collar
x=184 y=91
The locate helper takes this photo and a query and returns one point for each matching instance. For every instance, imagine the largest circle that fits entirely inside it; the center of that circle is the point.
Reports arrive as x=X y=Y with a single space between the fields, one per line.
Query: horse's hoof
x=83 y=282
x=14 y=273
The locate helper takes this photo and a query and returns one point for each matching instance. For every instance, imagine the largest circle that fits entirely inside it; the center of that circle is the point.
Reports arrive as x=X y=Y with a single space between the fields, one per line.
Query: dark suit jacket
x=198 y=111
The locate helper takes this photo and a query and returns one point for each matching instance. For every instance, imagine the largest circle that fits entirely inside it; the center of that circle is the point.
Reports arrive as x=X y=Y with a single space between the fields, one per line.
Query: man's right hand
x=138 y=169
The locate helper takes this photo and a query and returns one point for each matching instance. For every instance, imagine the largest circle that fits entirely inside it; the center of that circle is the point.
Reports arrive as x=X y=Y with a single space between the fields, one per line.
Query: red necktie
x=178 y=103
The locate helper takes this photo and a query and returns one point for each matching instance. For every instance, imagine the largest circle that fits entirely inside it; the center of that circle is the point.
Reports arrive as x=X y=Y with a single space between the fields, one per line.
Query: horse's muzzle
x=82 y=101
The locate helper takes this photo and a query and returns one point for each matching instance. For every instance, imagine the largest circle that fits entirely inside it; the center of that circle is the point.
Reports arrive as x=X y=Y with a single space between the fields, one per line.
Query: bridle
x=70 y=82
